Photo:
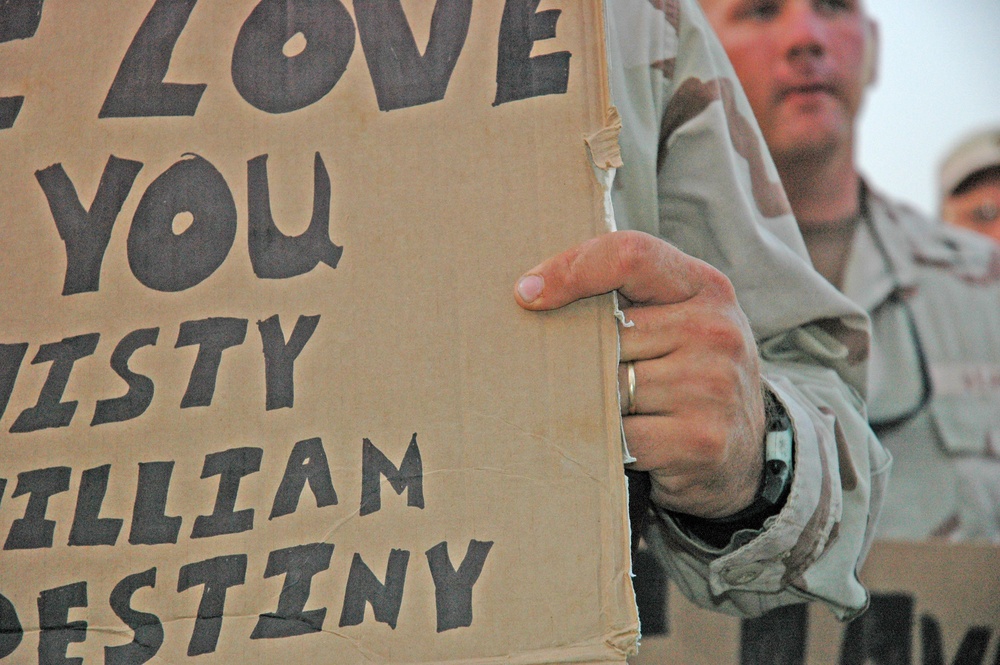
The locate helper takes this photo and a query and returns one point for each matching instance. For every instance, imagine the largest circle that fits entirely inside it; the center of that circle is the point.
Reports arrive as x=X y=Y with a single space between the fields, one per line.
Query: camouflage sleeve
x=697 y=175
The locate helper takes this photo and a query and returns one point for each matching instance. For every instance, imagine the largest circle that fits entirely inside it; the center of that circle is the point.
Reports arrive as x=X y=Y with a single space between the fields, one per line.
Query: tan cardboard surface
x=931 y=603
x=188 y=421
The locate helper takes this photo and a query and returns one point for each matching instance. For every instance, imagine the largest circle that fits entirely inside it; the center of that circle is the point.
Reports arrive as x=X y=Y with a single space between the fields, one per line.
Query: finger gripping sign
x=265 y=393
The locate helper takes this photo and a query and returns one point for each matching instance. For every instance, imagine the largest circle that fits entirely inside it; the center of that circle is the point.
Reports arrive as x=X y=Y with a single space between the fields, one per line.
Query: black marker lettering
x=168 y=261
x=11 y=357
x=453 y=588
x=33 y=531
x=274 y=255
x=86 y=233
x=409 y=475
x=231 y=466
x=306 y=463
x=147 y=628
x=19 y=19
x=401 y=76
x=11 y=632
x=212 y=336
x=865 y=638
x=217 y=575
x=279 y=358
x=298 y=565
x=57 y=631
x=363 y=587
x=88 y=527
x=150 y=524
x=277 y=83
x=519 y=75
x=778 y=636
x=50 y=411
x=140 y=388
x=138 y=89
x=10 y=108
x=972 y=650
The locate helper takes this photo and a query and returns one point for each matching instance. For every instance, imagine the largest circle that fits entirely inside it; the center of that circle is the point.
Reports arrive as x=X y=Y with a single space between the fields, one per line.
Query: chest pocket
x=969 y=421
x=959 y=326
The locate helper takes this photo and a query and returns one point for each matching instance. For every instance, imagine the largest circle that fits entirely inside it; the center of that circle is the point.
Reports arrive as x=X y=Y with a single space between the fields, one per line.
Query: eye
x=835 y=6
x=986 y=213
x=759 y=10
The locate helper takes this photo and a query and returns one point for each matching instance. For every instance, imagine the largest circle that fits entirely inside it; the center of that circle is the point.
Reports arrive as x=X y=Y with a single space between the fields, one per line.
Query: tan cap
x=977 y=152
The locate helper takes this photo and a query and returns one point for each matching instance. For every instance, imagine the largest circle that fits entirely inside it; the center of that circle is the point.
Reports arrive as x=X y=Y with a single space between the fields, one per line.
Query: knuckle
x=724 y=336
x=710 y=445
x=717 y=285
x=630 y=250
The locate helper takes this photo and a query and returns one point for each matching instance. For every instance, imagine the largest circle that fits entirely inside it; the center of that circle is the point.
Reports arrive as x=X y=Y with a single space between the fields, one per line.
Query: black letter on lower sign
x=306 y=463
x=213 y=336
x=147 y=628
x=33 y=531
x=298 y=565
x=57 y=630
x=274 y=255
x=231 y=465
x=401 y=76
x=363 y=586
x=217 y=575
x=409 y=475
x=88 y=527
x=50 y=411
x=453 y=588
x=86 y=233
x=519 y=75
x=972 y=650
x=883 y=634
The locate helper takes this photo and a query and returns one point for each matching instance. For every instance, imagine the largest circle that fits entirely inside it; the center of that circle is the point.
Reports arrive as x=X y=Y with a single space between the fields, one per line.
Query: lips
x=806 y=89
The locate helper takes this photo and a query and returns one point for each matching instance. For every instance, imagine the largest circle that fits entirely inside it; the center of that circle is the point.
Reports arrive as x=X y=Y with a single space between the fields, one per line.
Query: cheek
x=992 y=230
x=855 y=65
x=751 y=66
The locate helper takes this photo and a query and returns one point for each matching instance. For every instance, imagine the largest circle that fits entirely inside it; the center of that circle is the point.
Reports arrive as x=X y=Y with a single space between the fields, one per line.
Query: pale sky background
x=939 y=79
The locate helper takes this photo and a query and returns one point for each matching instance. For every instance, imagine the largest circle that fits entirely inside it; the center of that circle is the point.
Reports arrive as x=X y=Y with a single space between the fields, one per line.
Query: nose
x=804 y=30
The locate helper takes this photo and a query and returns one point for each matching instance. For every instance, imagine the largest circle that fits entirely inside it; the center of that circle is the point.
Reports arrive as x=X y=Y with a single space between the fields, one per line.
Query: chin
x=807 y=140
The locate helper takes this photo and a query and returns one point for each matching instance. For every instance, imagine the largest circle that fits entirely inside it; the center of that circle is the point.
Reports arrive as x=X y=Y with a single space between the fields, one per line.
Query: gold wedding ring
x=630 y=395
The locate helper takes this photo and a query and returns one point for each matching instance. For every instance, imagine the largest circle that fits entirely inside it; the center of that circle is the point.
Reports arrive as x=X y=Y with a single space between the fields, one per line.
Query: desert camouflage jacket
x=697 y=175
x=933 y=293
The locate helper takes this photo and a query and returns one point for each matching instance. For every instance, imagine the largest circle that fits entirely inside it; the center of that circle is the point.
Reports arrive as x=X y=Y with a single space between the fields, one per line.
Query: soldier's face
x=804 y=65
x=977 y=207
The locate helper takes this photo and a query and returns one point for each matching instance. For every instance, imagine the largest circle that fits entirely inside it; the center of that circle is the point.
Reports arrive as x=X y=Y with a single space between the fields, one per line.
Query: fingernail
x=529 y=287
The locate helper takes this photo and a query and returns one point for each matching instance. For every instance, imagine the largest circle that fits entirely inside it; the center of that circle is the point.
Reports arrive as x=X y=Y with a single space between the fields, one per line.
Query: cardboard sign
x=265 y=393
x=932 y=604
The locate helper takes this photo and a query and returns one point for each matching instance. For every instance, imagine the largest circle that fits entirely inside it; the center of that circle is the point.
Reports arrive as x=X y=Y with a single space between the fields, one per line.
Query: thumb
x=643 y=268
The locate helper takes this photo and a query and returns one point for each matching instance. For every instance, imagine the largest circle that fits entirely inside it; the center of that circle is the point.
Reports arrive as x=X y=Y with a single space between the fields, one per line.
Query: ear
x=871 y=51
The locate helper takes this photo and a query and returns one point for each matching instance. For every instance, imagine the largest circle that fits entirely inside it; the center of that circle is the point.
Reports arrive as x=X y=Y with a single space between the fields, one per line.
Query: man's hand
x=697 y=423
